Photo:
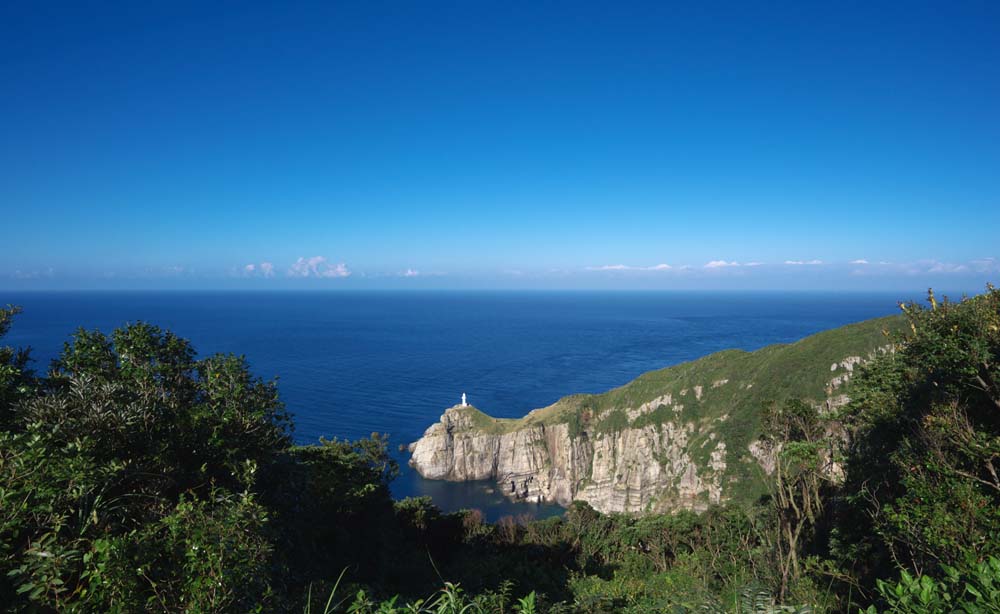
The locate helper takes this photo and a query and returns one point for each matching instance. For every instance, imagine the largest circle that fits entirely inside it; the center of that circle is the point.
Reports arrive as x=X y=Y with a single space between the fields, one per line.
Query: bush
x=128 y=459
x=922 y=485
x=975 y=592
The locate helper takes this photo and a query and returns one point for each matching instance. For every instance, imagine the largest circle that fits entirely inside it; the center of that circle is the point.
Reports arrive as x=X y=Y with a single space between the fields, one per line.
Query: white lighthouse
x=464 y=403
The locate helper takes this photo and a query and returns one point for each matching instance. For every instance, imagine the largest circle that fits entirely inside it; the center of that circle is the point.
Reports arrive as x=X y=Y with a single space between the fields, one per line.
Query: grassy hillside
x=721 y=394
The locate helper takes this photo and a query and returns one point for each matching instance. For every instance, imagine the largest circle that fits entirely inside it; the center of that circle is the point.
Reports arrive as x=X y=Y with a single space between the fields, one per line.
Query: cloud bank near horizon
x=859 y=266
x=312 y=270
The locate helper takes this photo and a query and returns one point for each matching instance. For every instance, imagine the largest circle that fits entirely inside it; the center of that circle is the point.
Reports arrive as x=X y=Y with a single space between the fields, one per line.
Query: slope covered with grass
x=719 y=397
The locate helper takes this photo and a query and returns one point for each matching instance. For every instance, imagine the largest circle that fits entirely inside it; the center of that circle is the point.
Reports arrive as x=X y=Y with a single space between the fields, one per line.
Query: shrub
x=922 y=485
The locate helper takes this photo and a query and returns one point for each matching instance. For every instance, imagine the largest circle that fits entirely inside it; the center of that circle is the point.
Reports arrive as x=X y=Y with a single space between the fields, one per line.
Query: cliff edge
x=683 y=437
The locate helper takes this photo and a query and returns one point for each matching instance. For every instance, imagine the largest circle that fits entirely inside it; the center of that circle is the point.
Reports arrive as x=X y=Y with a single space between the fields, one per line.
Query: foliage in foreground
x=922 y=491
x=977 y=592
x=135 y=477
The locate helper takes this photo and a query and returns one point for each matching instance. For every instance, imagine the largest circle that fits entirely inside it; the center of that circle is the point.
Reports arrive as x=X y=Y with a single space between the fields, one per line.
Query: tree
x=128 y=479
x=15 y=378
x=796 y=435
x=922 y=488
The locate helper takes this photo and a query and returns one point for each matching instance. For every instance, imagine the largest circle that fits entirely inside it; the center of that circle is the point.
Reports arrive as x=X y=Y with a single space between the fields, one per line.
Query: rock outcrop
x=646 y=469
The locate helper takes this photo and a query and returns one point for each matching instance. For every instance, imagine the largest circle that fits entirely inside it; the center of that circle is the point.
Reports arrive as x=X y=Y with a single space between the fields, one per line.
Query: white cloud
x=625 y=267
x=418 y=273
x=609 y=267
x=930 y=267
x=858 y=266
x=264 y=269
x=947 y=267
x=317 y=266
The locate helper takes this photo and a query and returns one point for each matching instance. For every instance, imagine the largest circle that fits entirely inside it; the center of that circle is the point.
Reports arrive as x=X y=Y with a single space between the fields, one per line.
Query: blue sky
x=487 y=144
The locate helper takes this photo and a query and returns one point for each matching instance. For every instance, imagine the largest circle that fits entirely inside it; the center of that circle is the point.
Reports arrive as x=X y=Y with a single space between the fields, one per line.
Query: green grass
x=488 y=424
x=774 y=373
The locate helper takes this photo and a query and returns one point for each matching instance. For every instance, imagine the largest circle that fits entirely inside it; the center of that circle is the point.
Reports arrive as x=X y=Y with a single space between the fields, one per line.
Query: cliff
x=683 y=437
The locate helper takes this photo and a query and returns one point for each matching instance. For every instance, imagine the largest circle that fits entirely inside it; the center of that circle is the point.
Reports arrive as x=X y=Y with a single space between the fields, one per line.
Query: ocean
x=353 y=363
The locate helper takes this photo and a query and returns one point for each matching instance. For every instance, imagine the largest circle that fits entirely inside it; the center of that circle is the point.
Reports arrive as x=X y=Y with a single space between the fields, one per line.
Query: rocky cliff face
x=684 y=437
x=632 y=470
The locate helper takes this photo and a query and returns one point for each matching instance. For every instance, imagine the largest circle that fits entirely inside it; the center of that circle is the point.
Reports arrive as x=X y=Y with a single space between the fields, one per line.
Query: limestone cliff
x=627 y=470
x=679 y=438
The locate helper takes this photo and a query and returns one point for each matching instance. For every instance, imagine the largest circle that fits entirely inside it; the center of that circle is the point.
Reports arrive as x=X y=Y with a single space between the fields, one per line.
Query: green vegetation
x=922 y=490
x=134 y=478
x=776 y=372
x=722 y=395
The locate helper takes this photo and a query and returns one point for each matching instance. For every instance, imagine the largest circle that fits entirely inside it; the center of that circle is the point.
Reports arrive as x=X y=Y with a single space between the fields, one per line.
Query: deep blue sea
x=353 y=363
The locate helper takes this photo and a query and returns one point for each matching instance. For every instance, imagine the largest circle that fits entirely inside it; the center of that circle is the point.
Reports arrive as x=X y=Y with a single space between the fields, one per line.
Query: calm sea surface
x=352 y=363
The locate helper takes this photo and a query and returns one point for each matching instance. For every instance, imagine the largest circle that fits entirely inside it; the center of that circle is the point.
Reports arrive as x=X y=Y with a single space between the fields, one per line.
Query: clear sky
x=499 y=144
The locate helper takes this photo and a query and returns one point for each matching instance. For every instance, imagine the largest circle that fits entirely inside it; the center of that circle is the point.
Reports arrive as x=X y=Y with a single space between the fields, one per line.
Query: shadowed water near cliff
x=354 y=363
x=480 y=495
